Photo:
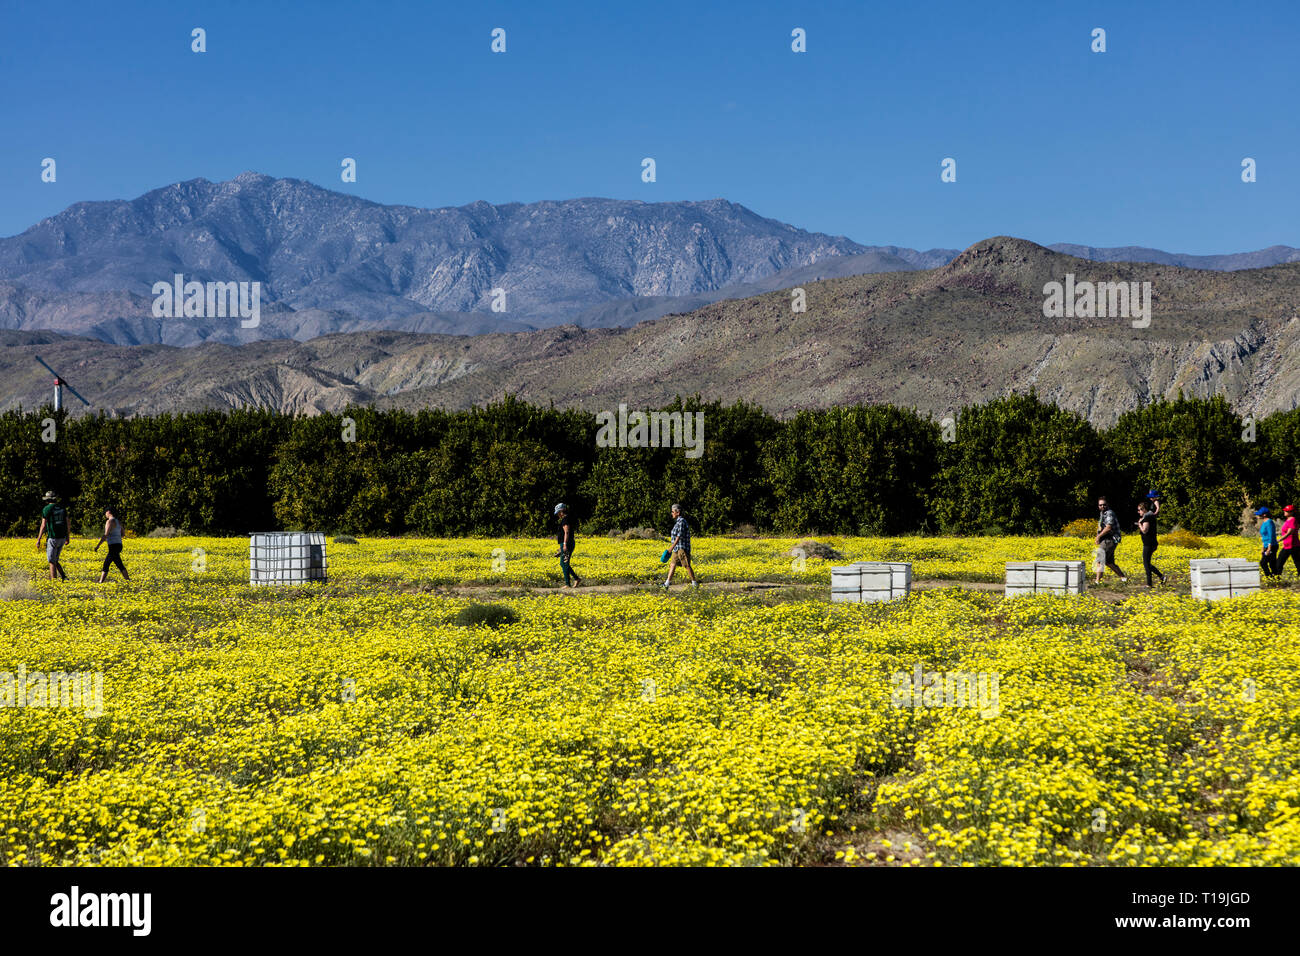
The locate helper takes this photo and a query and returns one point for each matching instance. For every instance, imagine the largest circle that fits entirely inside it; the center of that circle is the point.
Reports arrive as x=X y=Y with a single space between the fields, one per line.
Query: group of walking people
x=54 y=528
x=1278 y=543
x=1109 y=536
x=677 y=555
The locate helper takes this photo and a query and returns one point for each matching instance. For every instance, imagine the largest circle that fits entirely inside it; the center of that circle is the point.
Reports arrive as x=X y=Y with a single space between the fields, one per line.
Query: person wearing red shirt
x=1287 y=538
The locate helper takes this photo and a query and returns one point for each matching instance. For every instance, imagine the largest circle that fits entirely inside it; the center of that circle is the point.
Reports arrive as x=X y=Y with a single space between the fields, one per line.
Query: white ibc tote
x=1044 y=577
x=868 y=582
x=1216 y=578
x=286 y=557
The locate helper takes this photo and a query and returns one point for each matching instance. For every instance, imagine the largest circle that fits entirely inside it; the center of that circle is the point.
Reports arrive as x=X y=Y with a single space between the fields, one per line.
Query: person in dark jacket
x=565 y=536
x=1147 y=528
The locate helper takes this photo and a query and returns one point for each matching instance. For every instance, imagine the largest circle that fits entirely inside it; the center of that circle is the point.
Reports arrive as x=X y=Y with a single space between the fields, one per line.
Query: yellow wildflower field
x=357 y=723
x=603 y=560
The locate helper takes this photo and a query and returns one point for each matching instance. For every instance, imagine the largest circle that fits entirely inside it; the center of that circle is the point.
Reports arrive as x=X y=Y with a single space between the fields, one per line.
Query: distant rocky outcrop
x=935 y=340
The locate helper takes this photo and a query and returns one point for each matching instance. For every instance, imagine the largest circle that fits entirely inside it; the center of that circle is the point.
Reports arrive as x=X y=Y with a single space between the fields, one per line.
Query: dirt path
x=706 y=586
x=746 y=587
x=1105 y=594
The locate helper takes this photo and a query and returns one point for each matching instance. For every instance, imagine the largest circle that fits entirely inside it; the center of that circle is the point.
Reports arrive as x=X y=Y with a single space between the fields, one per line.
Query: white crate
x=1045 y=577
x=1217 y=578
x=286 y=557
x=869 y=582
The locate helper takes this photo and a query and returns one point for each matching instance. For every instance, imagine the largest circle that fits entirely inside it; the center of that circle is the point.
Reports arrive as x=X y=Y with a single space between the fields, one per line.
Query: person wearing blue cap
x=1147 y=528
x=1267 y=543
x=565 y=536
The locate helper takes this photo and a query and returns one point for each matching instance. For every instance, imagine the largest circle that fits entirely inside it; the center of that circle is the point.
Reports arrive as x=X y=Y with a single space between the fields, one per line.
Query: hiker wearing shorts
x=1288 y=540
x=566 y=538
x=1267 y=544
x=1108 y=538
x=680 y=547
x=112 y=536
x=1147 y=528
x=54 y=525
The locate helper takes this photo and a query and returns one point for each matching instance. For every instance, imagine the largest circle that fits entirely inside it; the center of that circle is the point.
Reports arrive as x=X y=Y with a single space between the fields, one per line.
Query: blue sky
x=1140 y=145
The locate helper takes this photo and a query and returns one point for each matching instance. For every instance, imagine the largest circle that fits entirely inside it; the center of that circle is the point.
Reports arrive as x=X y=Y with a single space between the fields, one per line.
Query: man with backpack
x=1108 y=539
x=1267 y=543
x=54 y=525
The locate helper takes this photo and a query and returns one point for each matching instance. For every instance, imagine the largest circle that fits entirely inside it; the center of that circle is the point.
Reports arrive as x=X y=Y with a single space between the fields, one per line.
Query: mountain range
x=934 y=339
x=329 y=262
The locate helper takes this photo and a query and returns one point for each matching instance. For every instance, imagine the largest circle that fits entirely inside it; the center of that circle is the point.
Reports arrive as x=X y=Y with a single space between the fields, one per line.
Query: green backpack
x=58 y=526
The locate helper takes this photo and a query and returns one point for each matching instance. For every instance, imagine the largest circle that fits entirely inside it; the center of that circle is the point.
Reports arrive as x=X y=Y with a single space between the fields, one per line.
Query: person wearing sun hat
x=1287 y=541
x=1267 y=543
x=566 y=537
x=54 y=525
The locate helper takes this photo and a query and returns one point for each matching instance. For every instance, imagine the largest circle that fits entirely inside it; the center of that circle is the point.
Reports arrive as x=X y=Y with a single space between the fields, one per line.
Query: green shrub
x=863 y=469
x=344 y=539
x=1192 y=450
x=486 y=615
x=1080 y=528
x=1013 y=465
x=1181 y=538
x=1018 y=465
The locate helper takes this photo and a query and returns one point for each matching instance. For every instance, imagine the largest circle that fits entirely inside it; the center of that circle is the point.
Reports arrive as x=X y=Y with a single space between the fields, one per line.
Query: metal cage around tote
x=286 y=557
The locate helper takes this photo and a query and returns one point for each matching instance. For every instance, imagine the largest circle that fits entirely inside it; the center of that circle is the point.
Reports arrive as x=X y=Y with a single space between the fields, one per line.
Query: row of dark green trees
x=1013 y=465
